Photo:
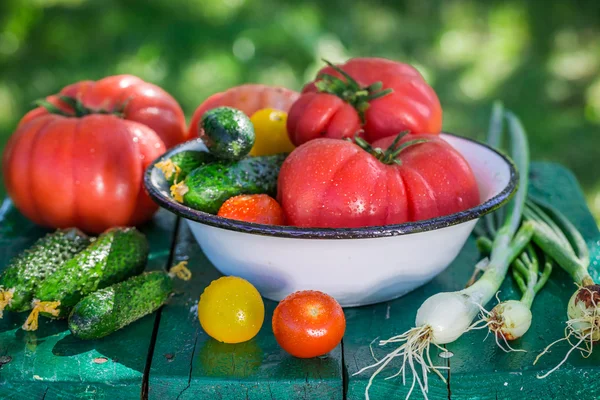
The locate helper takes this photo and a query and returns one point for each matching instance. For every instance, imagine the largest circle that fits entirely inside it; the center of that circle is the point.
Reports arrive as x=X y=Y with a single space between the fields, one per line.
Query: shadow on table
x=229 y=361
x=15 y=341
x=12 y=321
x=128 y=346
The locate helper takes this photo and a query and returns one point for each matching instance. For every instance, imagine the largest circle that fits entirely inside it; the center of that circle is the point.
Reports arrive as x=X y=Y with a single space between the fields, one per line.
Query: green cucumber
x=112 y=308
x=25 y=272
x=179 y=165
x=208 y=187
x=116 y=255
x=227 y=132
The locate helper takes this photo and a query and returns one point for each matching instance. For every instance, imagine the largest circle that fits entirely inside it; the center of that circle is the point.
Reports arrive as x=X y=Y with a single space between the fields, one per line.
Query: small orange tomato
x=308 y=323
x=258 y=208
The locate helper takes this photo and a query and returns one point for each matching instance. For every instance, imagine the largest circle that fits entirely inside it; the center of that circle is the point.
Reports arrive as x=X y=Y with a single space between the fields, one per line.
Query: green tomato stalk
x=349 y=90
x=444 y=317
x=388 y=156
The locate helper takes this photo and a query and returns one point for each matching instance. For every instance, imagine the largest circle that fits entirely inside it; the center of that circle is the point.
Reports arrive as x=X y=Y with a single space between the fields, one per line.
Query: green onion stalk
x=511 y=319
x=560 y=240
x=444 y=317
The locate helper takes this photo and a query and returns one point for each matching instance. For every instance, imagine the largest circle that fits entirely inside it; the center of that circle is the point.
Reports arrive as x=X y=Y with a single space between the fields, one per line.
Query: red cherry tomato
x=333 y=108
x=257 y=208
x=308 y=324
x=79 y=161
x=337 y=184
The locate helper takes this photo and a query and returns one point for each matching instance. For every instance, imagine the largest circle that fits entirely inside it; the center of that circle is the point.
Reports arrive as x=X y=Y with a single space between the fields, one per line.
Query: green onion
x=571 y=233
x=494 y=140
x=561 y=241
x=445 y=317
x=511 y=319
x=557 y=246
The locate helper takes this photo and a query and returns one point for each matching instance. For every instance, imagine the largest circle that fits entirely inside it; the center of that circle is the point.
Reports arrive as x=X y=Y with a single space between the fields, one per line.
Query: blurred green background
x=542 y=58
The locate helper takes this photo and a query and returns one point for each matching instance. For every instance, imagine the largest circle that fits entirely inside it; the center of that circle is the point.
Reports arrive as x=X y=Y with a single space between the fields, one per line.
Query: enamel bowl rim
x=406 y=228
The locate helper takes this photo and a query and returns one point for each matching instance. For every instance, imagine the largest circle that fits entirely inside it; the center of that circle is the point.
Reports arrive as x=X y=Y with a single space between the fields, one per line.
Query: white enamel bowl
x=357 y=266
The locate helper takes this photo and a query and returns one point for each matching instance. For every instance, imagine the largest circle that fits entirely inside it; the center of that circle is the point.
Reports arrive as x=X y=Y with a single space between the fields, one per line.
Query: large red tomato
x=79 y=159
x=338 y=184
x=248 y=98
x=374 y=96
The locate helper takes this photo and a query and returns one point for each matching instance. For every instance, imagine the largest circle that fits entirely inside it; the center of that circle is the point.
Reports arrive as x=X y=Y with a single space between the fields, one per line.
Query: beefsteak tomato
x=340 y=184
x=374 y=96
x=78 y=160
x=248 y=98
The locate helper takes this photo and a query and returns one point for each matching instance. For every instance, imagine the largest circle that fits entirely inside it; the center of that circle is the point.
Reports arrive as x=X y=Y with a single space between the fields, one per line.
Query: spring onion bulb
x=510 y=320
x=558 y=238
x=444 y=317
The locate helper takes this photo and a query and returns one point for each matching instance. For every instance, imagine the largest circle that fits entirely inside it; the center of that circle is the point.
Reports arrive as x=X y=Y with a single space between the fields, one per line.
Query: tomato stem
x=78 y=109
x=51 y=108
x=349 y=90
x=388 y=156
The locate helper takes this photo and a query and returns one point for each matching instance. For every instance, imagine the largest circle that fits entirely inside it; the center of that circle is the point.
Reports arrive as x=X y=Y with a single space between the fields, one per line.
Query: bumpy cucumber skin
x=211 y=185
x=27 y=271
x=227 y=133
x=110 y=309
x=187 y=161
x=116 y=255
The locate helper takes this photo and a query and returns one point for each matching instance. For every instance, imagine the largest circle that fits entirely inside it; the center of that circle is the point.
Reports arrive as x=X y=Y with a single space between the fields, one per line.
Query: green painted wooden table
x=168 y=356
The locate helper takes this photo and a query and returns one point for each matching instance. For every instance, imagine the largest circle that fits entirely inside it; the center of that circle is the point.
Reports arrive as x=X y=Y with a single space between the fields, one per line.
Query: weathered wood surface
x=187 y=364
x=50 y=363
x=481 y=371
x=478 y=369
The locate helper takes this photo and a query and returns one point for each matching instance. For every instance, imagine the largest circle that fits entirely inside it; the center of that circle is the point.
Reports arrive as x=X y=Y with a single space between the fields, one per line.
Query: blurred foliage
x=542 y=58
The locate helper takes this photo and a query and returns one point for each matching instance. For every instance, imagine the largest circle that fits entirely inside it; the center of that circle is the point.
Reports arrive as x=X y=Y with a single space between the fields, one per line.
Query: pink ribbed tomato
x=78 y=160
x=338 y=184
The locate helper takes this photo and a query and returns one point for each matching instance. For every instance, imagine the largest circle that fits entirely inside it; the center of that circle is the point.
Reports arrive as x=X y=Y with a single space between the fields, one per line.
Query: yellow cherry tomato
x=271 y=133
x=231 y=310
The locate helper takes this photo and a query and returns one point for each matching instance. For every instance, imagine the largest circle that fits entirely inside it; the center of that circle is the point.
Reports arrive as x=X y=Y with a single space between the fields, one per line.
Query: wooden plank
x=187 y=364
x=385 y=320
x=482 y=371
x=479 y=370
x=50 y=363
